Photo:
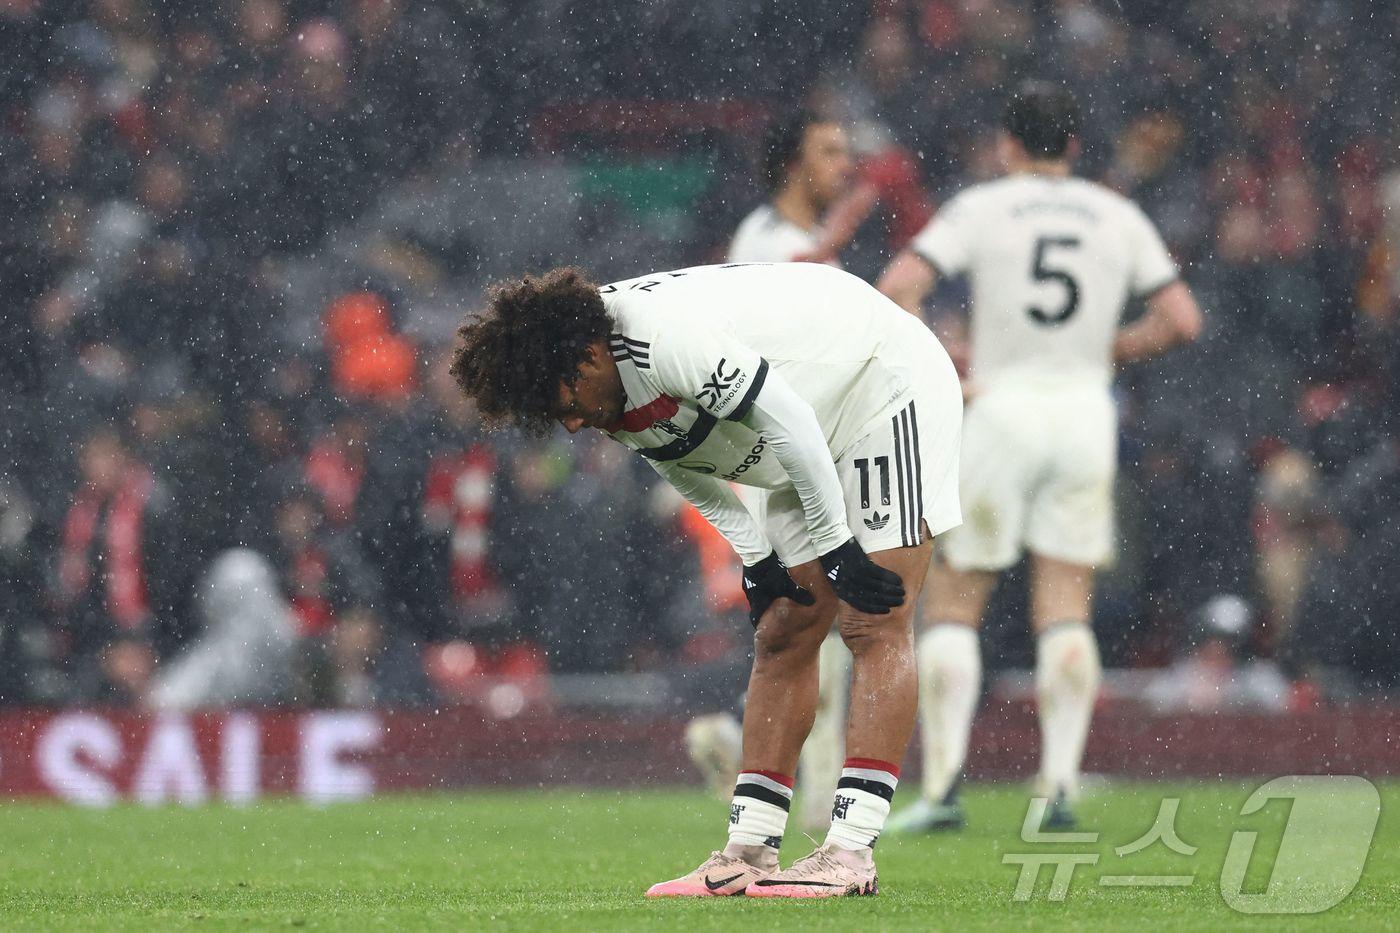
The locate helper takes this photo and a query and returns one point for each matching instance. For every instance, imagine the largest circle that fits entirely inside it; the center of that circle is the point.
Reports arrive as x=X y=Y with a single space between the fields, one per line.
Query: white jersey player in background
x=1051 y=261
x=808 y=168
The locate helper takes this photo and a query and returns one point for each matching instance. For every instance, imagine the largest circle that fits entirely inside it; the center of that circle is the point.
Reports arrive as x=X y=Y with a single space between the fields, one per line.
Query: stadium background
x=242 y=233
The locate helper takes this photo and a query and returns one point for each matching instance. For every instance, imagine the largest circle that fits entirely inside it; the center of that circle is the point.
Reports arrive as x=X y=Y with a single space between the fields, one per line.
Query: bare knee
x=864 y=633
x=793 y=632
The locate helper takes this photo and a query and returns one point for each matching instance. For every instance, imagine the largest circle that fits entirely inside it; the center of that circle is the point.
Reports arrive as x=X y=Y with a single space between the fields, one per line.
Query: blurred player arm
x=719 y=506
x=1172 y=318
x=940 y=249
x=890 y=176
x=907 y=280
x=841 y=223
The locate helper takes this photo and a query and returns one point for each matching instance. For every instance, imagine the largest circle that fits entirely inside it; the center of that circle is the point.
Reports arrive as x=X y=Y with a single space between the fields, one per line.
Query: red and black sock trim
x=878 y=788
x=767 y=786
x=870 y=775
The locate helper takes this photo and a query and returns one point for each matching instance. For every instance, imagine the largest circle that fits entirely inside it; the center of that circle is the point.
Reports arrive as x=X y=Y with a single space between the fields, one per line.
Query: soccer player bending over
x=804 y=382
x=808 y=166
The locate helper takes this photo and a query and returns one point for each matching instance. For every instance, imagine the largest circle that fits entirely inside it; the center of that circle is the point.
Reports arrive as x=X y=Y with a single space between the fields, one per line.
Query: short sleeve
x=777 y=246
x=707 y=367
x=945 y=242
x=1151 y=265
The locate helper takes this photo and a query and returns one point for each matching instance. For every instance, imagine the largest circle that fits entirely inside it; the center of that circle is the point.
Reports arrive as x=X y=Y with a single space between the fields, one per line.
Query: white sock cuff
x=950 y=633
x=948 y=646
x=758 y=782
x=1068 y=627
x=869 y=774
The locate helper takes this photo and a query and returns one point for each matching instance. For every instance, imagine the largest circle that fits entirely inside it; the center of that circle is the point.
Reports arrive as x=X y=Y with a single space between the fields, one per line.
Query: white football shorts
x=1037 y=474
x=901 y=473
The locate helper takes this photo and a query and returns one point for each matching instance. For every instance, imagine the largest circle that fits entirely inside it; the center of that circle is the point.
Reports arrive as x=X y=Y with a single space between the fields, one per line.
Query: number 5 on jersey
x=1043 y=269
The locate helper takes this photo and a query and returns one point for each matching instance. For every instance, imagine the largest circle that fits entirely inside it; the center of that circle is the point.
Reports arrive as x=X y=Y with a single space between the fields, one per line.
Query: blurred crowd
x=217 y=486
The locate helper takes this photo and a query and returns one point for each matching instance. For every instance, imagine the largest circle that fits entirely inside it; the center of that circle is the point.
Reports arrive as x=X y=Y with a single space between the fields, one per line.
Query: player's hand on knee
x=861 y=582
x=768 y=581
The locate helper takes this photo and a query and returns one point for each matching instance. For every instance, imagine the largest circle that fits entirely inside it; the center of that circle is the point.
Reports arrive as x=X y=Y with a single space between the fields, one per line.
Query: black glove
x=767 y=581
x=860 y=581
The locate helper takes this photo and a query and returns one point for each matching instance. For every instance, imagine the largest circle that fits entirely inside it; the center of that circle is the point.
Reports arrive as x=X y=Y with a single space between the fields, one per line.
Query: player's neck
x=1053 y=168
x=793 y=205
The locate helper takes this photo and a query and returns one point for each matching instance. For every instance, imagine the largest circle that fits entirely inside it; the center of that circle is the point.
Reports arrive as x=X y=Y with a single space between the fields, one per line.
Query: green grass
x=571 y=860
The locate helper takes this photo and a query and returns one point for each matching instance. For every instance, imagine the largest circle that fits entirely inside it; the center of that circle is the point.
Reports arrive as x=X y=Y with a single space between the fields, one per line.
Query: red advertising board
x=99 y=757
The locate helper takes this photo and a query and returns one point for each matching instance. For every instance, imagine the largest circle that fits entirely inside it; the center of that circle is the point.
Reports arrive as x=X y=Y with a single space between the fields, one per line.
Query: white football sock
x=759 y=812
x=1067 y=675
x=950 y=683
x=862 y=802
x=825 y=748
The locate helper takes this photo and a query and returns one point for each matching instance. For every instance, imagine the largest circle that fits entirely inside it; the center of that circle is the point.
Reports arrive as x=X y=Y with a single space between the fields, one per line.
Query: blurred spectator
x=245 y=653
x=335 y=597
x=20 y=578
x=462 y=518
x=111 y=579
x=1211 y=674
x=1285 y=530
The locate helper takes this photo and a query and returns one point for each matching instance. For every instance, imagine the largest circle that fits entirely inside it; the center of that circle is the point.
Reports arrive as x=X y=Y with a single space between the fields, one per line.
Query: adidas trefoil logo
x=876 y=521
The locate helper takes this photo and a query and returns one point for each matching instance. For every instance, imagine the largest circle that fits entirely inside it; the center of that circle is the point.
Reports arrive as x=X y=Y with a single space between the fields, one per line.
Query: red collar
x=639 y=419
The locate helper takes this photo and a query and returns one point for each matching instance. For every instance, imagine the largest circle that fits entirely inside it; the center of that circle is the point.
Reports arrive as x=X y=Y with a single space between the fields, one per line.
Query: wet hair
x=1043 y=117
x=782 y=144
x=533 y=336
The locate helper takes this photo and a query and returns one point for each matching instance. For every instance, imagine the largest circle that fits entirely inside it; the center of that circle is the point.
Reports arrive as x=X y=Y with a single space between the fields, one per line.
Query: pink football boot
x=824 y=873
x=719 y=876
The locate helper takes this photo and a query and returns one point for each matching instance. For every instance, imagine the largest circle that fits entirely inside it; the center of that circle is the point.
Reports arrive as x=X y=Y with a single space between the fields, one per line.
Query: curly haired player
x=804 y=382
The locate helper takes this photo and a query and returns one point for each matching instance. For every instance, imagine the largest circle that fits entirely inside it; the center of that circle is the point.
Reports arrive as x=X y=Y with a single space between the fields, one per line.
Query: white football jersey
x=1051 y=262
x=693 y=347
x=767 y=236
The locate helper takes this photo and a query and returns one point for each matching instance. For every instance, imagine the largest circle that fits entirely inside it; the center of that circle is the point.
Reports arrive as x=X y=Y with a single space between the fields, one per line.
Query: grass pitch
x=572 y=860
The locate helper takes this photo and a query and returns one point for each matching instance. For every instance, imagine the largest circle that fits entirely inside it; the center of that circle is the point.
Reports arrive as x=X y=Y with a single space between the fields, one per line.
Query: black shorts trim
x=901 y=480
x=908 y=465
x=918 y=530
